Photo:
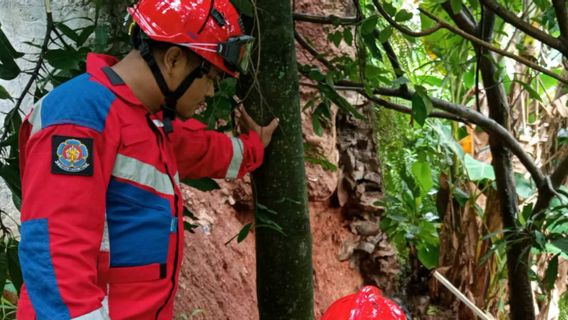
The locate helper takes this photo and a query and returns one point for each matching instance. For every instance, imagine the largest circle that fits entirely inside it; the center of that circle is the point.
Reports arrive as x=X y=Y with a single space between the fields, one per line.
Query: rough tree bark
x=284 y=261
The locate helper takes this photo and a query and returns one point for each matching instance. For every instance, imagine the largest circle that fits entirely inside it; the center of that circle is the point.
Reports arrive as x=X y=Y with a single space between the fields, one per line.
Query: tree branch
x=331 y=19
x=304 y=43
x=402 y=28
x=562 y=19
x=526 y=27
x=469 y=115
x=490 y=47
x=463 y=20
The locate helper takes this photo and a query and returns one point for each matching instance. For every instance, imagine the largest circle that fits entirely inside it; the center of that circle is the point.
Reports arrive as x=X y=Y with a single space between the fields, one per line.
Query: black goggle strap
x=170 y=97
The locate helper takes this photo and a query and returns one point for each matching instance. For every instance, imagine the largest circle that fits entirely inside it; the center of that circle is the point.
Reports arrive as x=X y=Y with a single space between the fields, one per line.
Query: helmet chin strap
x=170 y=97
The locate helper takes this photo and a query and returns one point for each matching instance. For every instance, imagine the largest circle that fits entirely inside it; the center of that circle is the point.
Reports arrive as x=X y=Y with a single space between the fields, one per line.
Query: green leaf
x=244 y=233
x=561 y=244
x=403 y=15
x=369 y=24
x=532 y=92
x=67 y=59
x=70 y=33
x=14 y=264
x=331 y=94
x=190 y=227
x=4 y=95
x=551 y=274
x=316 y=124
x=370 y=42
x=335 y=38
x=419 y=110
x=385 y=34
x=203 y=184
x=84 y=35
x=423 y=173
x=456 y=6
x=428 y=256
x=525 y=188
x=477 y=170
x=389 y=8
x=348 y=36
x=101 y=37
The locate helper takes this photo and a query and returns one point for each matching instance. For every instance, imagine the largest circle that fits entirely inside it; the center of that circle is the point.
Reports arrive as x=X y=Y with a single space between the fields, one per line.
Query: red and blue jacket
x=102 y=229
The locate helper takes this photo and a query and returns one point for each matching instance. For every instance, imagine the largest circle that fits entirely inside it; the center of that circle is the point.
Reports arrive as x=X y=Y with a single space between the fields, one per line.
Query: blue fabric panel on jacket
x=78 y=101
x=38 y=272
x=139 y=225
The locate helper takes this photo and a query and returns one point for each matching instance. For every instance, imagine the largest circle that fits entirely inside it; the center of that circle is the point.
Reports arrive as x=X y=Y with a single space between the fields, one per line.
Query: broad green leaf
x=370 y=41
x=348 y=36
x=551 y=274
x=369 y=24
x=316 y=124
x=456 y=6
x=14 y=264
x=423 y=174
x=4 y=95
x=428 y=256
x=525 y=188
x=561 y=244
x=402 y=16
x=385 y=34
x=477 y=170
x=203 y=184
x=84 y=35
x=8 y=67
x=101 y=37
x=70 y=33
x=389 y=8
x=419 y=110
x=532 y=92
x=67 y=59
x=335 y=37
x=244 y=233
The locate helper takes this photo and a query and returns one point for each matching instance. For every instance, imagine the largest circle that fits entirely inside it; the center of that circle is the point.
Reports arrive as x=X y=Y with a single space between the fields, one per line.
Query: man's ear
x=173 y=58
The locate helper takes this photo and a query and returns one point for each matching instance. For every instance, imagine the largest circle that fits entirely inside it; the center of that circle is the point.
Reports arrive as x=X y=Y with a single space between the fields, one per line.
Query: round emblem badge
x=72 y=156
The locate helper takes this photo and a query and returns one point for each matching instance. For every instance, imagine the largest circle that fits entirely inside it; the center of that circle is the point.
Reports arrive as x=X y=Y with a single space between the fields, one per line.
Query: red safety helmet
x=211 y=28
x=367 y=304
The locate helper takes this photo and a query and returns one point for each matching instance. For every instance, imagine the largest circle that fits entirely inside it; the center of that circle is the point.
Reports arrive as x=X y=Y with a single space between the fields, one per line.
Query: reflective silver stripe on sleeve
x=158 y=123
x=35 y=117
x=237 y=160
x=176 y=178
x=142 y=173
x=105 y=243
x=99 y=314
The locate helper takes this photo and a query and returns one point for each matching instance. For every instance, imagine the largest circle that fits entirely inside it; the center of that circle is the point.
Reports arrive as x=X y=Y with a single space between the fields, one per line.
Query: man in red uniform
x=101 y=157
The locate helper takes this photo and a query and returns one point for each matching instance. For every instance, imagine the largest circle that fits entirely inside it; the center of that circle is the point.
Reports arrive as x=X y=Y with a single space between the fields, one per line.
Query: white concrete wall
x=25 y=20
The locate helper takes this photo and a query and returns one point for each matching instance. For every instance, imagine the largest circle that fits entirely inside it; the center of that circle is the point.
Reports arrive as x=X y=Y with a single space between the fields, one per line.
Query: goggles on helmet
x=235 y=52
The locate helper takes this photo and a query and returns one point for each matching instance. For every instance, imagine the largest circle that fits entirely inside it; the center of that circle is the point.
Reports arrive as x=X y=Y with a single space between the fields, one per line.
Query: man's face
x=194 y=97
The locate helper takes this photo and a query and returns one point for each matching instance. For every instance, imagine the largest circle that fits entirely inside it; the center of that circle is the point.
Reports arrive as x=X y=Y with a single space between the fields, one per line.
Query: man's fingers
x=271 y=126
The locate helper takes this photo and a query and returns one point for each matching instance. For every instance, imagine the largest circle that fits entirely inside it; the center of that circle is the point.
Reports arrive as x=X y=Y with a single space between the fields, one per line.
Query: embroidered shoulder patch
x=72 y=156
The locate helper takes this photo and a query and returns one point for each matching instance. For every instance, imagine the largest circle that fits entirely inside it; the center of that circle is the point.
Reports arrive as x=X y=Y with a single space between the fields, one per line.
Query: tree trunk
x=284 y=259
x=520 y=291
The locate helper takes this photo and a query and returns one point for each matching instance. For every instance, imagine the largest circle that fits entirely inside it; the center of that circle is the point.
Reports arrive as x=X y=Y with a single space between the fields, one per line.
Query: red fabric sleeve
x=67 y=211
x=206 y=153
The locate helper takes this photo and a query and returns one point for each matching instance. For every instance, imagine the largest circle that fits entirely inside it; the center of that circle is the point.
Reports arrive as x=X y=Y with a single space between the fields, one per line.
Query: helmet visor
x=236 y=52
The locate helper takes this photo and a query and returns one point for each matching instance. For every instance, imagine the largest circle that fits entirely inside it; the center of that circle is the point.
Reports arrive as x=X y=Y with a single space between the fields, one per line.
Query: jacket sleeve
x=206 y=153
x=64 y=181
